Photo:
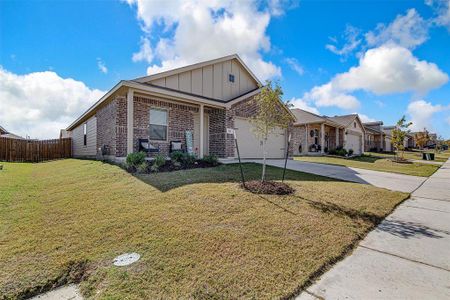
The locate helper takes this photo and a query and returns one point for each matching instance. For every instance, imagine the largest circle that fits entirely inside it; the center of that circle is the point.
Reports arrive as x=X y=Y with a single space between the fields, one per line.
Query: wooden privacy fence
x=34 y=151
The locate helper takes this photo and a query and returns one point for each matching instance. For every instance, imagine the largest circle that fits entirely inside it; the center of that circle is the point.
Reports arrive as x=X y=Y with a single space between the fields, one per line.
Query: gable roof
x=3 y=130
x=372 y=130
x=344 y=120
x=196 y=66
x=305 y=117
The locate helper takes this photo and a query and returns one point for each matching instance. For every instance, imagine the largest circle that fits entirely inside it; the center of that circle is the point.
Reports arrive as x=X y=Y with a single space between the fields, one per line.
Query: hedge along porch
x=202 y=100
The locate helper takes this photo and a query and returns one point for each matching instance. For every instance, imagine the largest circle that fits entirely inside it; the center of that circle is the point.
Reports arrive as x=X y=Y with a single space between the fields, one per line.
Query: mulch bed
x=268 y=187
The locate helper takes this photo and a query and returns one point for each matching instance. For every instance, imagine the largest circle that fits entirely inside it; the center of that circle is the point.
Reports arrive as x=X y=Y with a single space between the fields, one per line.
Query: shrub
x=341 y=152
x=142 y=168
x=176 y=156
x=332 y=152
x=188 y=159
x=158 y=162
x=135 y=159
x=350 y=152
x=210 y=160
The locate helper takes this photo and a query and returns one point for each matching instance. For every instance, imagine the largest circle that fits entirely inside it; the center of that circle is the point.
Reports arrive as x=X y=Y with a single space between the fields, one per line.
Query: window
x=158 y=125
x=85 y=134
x=230 y=77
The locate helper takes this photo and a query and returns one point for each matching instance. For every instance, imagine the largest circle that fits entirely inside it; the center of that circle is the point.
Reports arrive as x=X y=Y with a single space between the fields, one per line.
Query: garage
x=251 y=147
x=353 y=142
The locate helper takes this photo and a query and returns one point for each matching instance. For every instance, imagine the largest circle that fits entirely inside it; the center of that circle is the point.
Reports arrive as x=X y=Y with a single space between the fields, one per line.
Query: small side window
x=230 y=77
x=85 y=134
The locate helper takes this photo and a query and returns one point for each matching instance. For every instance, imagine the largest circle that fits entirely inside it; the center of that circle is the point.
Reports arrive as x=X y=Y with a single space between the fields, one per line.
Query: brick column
x=130 y=121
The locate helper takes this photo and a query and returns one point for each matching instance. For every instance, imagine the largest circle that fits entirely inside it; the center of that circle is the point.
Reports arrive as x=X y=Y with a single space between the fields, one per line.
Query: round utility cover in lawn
x=126 y=259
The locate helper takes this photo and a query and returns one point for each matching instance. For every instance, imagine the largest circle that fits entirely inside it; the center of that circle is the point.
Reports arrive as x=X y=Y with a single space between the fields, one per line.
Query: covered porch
x=316 y=138
x=169 y=125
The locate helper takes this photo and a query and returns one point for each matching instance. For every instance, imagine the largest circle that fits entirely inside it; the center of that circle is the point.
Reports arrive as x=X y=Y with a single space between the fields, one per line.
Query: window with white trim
x=158 y=125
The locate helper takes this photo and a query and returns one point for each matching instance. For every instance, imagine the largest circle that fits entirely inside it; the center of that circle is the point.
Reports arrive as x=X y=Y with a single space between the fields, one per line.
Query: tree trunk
x=263 y=177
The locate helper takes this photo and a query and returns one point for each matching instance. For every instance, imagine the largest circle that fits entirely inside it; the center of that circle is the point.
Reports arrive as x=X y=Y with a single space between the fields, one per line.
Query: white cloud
x=365 y=118
x=145 y=52
x=382 y=70
x=442 y=8
x=299 y=103
x=352 y=41
x=409 y=31
x=201 y=30
x=327 y=95
x=295 y=65
x=101 y=66
x=421 y=113
x=380 y=103
x=39 y=104
x=391 y=69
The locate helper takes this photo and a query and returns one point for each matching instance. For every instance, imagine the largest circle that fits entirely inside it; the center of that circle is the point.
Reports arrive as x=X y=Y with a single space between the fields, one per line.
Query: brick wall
x=217 y=132
x=297 y=140
x=106 y=127
x=180 y=119
x=112 y=127
x=121 y=126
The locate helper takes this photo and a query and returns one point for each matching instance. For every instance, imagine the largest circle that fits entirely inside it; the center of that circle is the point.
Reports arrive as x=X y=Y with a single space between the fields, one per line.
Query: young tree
x=271 y=116
x=399 y=134
x=422 y=138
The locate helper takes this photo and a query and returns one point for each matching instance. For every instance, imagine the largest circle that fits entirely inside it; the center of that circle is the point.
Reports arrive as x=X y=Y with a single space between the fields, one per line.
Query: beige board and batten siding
x=354 y=137
x=211 y=81
x=78 y=147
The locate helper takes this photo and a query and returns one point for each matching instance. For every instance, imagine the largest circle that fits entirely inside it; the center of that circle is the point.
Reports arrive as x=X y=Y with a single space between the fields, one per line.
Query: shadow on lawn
x=167 y=181
x=337 y=210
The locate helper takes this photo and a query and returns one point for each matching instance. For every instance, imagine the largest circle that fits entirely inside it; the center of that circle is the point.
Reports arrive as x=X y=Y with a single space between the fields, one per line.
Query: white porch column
x=337 y=137
x=305 y=150
x=322 y=138
x=202 y=125
x=130 y=120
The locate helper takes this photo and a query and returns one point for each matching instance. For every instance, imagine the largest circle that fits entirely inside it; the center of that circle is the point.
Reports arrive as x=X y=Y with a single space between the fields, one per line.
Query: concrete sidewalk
x=406 y=257
x=391 y=181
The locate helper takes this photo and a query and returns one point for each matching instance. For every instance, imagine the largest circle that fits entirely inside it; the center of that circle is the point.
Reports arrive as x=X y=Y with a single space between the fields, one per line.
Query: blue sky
x=383 y=59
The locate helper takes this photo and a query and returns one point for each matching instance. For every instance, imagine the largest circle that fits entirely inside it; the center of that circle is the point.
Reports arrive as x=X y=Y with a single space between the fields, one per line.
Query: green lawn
x=199 y=234
x=376 y=163
x=417 y=155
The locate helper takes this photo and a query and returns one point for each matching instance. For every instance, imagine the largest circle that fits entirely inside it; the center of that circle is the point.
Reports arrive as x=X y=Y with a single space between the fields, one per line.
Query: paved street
x=406 y=257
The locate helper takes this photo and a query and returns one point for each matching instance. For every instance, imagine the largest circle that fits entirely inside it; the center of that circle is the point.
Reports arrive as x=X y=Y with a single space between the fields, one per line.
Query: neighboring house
x=433 y=140
x=354 y=132
x=375 y=138
x=199 y=105
x=6 y=134
x=312 y=134
x=388 y=138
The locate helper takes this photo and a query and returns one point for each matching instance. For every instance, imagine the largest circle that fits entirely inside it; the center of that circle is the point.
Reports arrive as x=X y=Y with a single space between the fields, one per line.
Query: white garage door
x=353 y=142
x=251 y=147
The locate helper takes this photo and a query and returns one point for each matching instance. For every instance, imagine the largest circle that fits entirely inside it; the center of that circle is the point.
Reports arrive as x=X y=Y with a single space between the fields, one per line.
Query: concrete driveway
x=406 y=257
x=391 y=181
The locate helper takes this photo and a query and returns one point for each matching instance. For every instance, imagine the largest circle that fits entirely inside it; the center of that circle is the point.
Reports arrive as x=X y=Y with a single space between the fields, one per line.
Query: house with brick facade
x=314 y=134
x=199 y=107
x=375 y=138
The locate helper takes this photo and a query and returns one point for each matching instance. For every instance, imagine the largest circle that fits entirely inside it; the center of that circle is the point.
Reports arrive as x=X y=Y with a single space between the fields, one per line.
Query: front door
x=197 y=134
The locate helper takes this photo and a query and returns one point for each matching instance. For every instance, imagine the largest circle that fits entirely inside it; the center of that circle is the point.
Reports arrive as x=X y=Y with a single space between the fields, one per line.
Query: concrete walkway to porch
x=391 y=181
x=406 y=257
